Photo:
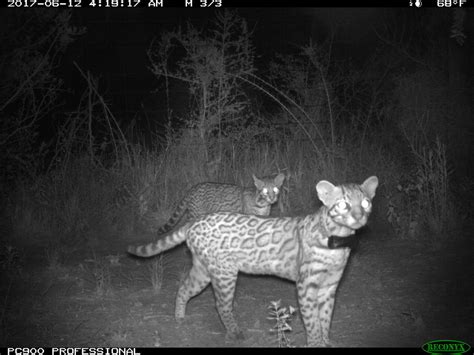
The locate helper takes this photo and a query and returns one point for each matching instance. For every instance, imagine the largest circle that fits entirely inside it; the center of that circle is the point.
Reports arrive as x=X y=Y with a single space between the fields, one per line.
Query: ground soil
x=394 y=293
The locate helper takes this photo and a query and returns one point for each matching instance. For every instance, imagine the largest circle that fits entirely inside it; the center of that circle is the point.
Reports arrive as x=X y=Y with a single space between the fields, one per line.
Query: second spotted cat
x=209 y=197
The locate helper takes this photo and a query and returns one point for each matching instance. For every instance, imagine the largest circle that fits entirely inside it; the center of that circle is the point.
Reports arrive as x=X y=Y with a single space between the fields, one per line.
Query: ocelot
x=301 y=249
x=209 y=197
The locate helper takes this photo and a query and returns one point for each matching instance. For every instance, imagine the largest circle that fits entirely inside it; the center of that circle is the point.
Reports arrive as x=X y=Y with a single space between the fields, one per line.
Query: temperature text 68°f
x=450 y=3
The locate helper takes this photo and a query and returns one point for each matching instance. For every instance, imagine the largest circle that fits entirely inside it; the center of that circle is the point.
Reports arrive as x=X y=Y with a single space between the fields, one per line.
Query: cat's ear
x=259 y=184
x=370 y=185
x=326 y=192
x=278 y=180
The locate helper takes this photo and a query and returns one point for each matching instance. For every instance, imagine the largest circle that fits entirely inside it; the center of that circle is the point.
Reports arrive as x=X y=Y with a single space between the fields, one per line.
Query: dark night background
x=114 y=47
x=99 y=141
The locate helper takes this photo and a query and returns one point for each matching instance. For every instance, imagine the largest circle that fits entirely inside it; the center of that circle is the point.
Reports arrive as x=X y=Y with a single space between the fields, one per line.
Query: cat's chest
x=256 y=210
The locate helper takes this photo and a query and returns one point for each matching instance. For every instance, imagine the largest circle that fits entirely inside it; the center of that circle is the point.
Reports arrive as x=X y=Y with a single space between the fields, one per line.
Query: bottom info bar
x=72 y=351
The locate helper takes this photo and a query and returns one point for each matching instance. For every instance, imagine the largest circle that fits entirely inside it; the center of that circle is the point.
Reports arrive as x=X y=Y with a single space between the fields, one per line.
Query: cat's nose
x=357 y=212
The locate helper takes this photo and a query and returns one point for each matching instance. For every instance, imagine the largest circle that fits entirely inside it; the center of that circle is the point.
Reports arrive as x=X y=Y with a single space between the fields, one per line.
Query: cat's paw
x=179 y=320
x=235 y=335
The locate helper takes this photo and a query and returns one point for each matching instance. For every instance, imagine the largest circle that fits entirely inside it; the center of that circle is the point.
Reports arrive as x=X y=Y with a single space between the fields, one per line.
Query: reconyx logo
x=446 y=347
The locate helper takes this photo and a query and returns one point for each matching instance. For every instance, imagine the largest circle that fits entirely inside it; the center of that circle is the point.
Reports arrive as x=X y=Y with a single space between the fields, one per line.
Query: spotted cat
x=209 y=197
x=300 y=249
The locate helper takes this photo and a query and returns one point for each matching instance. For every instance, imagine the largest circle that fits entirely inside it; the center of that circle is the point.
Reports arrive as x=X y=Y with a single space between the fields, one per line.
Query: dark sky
x=114 y=47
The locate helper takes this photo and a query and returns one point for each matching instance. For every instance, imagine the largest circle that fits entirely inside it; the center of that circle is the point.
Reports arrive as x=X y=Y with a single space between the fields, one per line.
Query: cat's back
x=242 y=225
x=211 y=197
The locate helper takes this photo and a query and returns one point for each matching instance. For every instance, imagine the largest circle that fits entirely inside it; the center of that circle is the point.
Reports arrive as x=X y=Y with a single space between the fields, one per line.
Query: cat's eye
x=365 y=203
x=265 y=191
x=343 y=205
x=275 y=190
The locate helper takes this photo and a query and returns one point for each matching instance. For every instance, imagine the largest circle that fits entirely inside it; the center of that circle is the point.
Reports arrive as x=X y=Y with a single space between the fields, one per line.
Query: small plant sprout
x=282 y=317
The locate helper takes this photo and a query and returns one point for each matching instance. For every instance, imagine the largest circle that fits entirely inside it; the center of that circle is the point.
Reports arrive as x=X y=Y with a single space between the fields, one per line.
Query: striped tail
x=177 y=215
x=160 y=245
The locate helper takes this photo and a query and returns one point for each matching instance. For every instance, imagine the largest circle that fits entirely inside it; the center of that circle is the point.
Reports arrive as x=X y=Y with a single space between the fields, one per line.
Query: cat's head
x=349 y=205
x=269 y=188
